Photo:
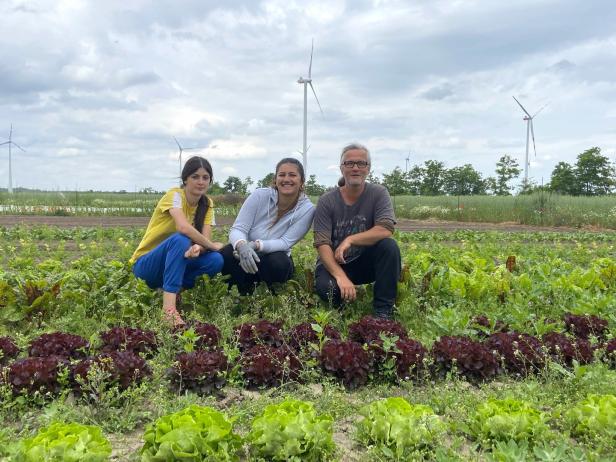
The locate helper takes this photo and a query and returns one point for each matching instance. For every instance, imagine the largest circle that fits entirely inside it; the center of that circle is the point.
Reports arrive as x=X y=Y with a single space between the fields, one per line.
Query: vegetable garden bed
x=497 y=358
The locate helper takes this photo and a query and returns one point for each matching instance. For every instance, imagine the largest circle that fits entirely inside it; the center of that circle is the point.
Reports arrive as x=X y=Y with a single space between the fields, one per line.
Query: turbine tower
x=10 y=143
x=307 y=82
x=181 y=149
x=529 y=132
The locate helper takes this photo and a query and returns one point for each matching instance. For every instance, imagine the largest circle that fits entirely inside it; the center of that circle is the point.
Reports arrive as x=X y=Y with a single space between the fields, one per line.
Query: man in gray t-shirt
x=353 y=225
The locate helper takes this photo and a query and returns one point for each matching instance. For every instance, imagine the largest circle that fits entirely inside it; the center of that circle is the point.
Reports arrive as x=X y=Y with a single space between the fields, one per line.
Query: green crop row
x=392 y=429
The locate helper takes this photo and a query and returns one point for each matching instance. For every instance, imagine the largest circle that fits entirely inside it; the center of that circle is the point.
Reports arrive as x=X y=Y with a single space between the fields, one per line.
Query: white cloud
x=99 y=89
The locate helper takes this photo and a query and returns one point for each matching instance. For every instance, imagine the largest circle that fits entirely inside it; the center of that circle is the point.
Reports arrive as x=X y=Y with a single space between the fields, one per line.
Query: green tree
x=312 y=188
x=373 y=178
x=563 y=179
x=266 y=181
x=233 y=185
x=247 y=183
x=464 y=181
x=395 y=182
x=433 y=178
x=490 y=183
x=594 y=173
x=215 y=189
x=507 y=169
x=415 y=179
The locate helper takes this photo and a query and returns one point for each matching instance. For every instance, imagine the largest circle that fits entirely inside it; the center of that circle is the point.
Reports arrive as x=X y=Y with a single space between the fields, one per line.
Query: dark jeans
x=380 y=264
x=273 y=267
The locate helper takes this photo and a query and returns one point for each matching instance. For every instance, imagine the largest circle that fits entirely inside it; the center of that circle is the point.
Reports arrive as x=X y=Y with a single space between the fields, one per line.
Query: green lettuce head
x=193 y=434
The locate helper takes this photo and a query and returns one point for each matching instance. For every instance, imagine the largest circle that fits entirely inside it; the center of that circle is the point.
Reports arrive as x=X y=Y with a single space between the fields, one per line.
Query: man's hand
x=194 y=251
x=340 y=251
x=347 y=289
x=247 y=256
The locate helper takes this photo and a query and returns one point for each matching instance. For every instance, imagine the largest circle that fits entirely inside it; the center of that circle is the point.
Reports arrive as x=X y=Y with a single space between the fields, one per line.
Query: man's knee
x=387 y=246
x=325 y=285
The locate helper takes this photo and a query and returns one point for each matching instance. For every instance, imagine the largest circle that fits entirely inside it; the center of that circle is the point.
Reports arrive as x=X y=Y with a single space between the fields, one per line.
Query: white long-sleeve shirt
x=259 y=211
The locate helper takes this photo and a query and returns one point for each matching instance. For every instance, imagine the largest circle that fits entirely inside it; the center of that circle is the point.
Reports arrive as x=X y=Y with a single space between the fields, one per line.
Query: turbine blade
x=6 y=142
x=315 y=97
x=178 y=143
x=520 y=104
x=13 y=142
x=542 y=108
x=310 y=66
x=532 y=132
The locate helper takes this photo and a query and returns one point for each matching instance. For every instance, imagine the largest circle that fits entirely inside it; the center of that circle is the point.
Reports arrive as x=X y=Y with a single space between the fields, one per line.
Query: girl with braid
x=177 y=246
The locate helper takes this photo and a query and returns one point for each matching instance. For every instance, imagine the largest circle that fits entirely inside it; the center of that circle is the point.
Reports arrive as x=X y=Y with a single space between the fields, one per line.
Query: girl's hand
x=194 y=251
x=216 y=246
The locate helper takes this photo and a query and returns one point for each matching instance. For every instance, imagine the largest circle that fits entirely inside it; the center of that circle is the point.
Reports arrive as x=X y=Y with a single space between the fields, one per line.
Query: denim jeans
x=165 y=266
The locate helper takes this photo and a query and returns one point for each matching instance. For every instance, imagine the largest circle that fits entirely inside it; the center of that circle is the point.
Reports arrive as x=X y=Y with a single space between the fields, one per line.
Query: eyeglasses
x=355 y=163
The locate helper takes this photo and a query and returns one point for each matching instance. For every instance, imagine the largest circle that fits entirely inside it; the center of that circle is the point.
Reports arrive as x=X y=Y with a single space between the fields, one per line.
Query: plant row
x=265 y=355
x=293 y=431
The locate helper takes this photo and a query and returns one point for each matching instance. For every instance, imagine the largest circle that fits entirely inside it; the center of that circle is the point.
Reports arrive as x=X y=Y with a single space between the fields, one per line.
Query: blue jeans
x=165 y=266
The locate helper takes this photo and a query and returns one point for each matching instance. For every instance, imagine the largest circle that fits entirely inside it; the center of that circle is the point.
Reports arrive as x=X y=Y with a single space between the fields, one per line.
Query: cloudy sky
x=97 y=90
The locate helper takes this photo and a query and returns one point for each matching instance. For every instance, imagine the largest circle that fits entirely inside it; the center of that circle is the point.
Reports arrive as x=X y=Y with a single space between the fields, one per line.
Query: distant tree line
x=591 y=175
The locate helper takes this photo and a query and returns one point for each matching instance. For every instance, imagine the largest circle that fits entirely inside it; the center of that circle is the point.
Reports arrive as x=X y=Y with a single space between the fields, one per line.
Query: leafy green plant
x=399 y=430
x=292 y=431
x=65 y=442
x=193 y=434
x=593 y=416
x=508 y=419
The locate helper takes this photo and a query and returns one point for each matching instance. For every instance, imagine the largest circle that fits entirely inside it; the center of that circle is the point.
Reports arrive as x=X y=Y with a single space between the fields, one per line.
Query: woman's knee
x=217 y=261
x=180 y=240
x=278 y=266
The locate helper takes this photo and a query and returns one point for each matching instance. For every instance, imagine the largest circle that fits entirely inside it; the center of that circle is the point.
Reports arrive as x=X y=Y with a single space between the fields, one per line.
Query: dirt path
x=403 y=224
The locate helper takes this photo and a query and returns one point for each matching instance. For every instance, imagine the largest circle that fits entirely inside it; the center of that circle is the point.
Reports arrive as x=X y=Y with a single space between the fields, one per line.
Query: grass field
x=543 y=209
x=77 y=281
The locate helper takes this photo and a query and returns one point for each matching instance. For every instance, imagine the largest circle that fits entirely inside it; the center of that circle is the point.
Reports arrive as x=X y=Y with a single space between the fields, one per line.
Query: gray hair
x=353 y=146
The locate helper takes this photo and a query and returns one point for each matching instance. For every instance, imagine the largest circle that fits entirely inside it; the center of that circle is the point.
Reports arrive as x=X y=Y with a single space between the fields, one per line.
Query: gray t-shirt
x=334 y=220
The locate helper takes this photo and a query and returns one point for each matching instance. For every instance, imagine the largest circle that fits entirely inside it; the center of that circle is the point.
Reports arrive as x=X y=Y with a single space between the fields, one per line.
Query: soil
x=403 y=224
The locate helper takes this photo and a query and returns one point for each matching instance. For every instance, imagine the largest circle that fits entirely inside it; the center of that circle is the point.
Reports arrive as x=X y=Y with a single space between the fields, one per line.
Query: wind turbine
x=10 y=142
x=529 y=132
x=407 y=162
x=182 y=149
x=307 y=82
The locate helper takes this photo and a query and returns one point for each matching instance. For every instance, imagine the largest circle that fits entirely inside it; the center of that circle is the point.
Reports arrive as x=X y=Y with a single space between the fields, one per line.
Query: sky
x=96 y=91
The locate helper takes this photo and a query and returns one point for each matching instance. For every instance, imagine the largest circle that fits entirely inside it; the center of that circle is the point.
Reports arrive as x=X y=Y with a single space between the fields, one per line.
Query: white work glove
x=245 y=253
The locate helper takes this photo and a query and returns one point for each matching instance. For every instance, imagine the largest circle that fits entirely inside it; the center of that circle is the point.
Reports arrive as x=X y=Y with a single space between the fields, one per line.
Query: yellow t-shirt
x=162 y=225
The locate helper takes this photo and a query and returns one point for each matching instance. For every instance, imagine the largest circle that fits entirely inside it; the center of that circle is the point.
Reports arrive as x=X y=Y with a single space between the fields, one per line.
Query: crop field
x=538 y=209
x=503 y=349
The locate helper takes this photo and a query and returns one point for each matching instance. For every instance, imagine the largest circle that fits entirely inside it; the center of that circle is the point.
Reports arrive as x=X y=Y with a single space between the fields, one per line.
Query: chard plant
x=398 y=430
x=292 y=431
x=193 y=434
x=65 y=442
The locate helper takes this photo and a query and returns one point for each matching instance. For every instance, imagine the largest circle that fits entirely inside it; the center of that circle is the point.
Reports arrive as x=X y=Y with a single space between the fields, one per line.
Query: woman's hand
x=194 y=251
